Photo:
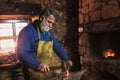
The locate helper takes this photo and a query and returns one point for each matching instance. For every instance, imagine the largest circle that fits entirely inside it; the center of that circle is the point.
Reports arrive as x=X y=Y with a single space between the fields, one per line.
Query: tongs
x=67 y=68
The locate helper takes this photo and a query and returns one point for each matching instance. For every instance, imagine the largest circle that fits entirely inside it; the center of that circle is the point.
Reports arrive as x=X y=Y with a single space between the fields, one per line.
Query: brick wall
x=97 y=14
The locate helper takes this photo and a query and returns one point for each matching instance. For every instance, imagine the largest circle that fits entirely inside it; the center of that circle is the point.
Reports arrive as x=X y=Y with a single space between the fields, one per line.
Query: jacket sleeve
x=59 y=49
x=24 y=51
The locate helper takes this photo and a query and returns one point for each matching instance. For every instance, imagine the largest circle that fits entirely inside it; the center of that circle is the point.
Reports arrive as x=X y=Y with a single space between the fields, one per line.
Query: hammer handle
x=55 y=67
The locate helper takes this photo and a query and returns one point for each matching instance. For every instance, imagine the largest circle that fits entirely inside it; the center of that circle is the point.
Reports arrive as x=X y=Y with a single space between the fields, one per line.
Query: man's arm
x=60 y=51
x=24 y=52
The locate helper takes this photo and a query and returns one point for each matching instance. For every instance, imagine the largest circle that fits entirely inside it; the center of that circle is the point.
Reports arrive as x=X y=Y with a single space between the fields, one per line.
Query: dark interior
x=103 y=76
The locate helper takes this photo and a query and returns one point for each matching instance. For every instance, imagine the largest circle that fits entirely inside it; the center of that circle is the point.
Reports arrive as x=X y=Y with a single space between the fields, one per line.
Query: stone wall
x=95 y=13
x=96 y=10
x=101 y=15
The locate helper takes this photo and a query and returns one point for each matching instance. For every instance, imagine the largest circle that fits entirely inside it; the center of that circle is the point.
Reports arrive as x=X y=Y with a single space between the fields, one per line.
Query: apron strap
x=38 y=31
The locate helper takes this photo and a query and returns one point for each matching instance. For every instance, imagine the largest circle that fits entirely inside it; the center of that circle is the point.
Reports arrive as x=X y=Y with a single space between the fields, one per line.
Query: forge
x=105 y=45
x=99 y=49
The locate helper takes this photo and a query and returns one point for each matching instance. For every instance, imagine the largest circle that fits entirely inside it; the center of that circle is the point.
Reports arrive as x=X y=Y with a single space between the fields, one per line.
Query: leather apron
x=45 y=55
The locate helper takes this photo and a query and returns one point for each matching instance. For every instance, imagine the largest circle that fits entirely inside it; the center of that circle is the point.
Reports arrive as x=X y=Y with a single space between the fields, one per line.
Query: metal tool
x=55 y=67
x=66 y=68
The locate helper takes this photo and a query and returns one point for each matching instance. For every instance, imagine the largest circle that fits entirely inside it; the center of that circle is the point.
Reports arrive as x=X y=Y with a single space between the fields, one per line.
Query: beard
x=44 y=27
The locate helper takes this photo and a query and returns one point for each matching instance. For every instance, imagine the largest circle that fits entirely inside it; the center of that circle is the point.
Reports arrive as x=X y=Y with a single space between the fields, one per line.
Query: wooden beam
x=20 y=8
x=7 y=17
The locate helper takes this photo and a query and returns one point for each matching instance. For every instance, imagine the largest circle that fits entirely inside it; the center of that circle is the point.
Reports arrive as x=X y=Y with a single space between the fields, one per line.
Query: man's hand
x=69 y=63
x=43 y=68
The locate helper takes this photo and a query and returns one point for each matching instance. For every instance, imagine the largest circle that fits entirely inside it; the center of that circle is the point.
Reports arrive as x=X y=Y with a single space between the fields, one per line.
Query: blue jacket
x=27 y=46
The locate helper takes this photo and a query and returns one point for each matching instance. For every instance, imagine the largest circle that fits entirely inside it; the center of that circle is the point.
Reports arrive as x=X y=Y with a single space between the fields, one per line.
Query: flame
x=109 y=53
x=67 y=73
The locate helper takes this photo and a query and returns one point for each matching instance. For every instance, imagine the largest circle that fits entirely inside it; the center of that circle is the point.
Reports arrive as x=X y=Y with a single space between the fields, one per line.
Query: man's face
x=47 y=23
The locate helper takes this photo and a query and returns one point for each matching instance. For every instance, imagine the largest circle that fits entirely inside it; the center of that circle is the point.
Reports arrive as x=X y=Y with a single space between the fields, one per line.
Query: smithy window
x=9 y=31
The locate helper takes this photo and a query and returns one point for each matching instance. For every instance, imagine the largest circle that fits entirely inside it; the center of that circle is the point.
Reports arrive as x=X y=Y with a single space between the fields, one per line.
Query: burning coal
x=109 y=53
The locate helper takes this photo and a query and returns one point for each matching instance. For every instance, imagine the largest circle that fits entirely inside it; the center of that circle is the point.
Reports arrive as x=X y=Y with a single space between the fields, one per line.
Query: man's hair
x=47 y=11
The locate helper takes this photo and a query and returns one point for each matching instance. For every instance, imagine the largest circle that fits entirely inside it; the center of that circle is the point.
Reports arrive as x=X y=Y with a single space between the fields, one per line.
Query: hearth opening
x=104 y=45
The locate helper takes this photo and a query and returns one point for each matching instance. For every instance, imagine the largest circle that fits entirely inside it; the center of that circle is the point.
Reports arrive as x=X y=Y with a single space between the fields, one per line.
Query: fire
x=109 y=53
x=67 y=73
